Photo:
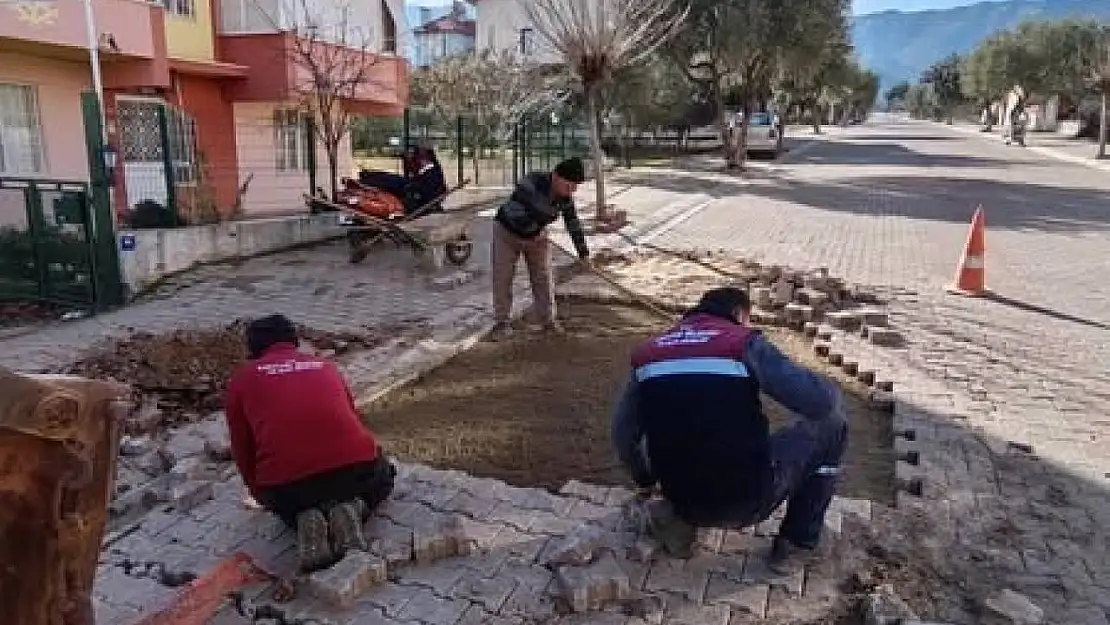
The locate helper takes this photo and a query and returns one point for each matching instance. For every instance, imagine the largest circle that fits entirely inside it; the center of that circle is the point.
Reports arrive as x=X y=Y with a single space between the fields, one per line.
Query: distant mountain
x=899 y=45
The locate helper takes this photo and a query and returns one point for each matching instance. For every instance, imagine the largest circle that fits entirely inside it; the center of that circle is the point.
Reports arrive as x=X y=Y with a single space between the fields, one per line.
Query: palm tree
x=595 y=39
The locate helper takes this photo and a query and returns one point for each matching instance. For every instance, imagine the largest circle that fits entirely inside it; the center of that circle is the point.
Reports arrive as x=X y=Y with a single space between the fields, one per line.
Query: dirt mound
x=183 y=374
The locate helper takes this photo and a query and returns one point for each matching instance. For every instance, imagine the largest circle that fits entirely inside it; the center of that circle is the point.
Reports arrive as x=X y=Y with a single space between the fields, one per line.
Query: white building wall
x=499 y=26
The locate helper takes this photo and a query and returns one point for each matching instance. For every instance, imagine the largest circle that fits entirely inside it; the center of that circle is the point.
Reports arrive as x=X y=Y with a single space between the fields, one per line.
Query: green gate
x=57 y=237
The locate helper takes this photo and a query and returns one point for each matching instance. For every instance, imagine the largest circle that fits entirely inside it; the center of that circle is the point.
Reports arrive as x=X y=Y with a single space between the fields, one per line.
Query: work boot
x=785 y=556
x=501 y=330
x=345 y=523
x=313 y=549
x=676 y=536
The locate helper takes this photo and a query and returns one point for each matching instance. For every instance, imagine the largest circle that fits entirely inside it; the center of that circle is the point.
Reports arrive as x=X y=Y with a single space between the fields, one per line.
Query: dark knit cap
x=264 y=333
x=572 y=170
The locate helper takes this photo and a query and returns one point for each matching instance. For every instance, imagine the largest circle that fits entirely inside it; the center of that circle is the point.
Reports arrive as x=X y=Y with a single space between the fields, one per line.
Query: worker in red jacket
x=300 y=446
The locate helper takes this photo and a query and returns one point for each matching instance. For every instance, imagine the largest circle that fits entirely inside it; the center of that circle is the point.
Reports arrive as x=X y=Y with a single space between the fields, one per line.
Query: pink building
x=199 y=96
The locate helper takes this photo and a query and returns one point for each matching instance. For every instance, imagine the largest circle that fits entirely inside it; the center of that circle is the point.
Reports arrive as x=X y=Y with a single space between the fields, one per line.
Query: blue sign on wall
x=127 y=242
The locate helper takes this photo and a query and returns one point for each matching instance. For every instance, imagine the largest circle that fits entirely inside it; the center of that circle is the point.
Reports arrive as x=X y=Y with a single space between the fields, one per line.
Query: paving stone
x=578 y=548
x=440 y=577
x=470 y=505
x=426 y=607
x=190 y=494
x=529 y=603
x=391 y=598
x=591 y=586
x=756 y=571
x=438 y=536
x=685 y=613
x=133 y=446
x=1015 y=607
x=593 y=493
x=390 y=541
x=883 y=337
x=750 y=598
x=475 y=615
x=491 y=593
x=675 y=577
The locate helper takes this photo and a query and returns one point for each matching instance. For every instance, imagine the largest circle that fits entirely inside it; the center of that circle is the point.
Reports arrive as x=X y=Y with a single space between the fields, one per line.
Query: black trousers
x=371 y=482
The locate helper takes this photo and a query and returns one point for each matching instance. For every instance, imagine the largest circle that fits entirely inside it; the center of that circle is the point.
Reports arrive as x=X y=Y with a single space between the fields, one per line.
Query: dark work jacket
x=699 y=410
x=530 y=209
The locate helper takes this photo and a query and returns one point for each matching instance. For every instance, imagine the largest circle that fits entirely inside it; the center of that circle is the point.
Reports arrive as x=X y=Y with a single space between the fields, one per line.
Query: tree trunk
x=727 y=135
x=742 y=143
x=332 y=149
x=1103 y=131
x=596 y=153
x=815 y=111
x=59 y=440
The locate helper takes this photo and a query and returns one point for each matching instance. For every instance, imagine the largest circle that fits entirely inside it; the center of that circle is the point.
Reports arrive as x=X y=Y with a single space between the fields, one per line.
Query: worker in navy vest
x=689 y=423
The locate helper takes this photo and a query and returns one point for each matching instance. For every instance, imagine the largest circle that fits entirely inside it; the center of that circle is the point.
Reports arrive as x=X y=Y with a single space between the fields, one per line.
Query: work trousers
x=370 y=481
x=505 y=249
x=805 y=467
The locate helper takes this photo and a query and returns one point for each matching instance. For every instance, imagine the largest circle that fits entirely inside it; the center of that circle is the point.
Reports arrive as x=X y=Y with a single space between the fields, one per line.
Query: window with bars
x=181 y=8
x=291 y=140
x=21 y=149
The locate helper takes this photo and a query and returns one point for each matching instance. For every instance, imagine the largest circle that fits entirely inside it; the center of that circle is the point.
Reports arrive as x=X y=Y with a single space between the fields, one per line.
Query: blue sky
x=872 y=6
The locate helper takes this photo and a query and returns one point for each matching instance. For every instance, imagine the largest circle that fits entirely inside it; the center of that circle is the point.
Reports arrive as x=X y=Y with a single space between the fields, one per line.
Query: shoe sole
x=313 y=550
x=345 y=522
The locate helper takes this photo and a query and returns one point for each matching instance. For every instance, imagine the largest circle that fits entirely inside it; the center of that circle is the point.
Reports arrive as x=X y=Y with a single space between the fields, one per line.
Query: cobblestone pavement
x=888 y=205
x=449 y=549
x=316 y=286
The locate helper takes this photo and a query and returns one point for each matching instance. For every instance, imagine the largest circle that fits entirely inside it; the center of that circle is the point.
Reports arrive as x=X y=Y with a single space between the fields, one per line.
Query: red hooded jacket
x=290 y=415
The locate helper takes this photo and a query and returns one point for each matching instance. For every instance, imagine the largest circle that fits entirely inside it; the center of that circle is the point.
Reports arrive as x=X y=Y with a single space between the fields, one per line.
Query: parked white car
x=764 y=133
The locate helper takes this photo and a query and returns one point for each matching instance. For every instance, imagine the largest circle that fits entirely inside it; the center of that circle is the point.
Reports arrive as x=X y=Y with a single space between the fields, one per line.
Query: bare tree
x=492 y=91
x=595 y=39
x=334 y=57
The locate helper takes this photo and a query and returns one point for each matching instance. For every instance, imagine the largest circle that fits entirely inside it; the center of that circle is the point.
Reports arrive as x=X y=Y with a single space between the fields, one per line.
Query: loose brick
x=436 y=537
x=848 y=320
x=883 y=337
x=590 y=587
x=190 y=494
x=873 y=317
x=578 y=548
x=761 y=296
x=811 y=297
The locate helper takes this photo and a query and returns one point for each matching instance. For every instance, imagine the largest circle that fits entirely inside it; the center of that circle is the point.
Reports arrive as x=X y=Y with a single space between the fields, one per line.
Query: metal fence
x=468 y=149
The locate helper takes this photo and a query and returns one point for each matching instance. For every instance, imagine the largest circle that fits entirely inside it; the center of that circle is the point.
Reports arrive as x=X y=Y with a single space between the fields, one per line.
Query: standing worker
x=301 y=447
x=690 y=421
x=520 y=227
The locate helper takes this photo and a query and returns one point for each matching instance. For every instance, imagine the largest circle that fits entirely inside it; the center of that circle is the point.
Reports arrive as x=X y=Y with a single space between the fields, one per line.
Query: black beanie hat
x=572 y=170
x=264 y=333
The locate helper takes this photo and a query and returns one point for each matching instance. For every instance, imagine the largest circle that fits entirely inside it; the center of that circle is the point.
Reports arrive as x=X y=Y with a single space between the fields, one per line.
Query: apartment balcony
x=131 y=36
x=277 y=73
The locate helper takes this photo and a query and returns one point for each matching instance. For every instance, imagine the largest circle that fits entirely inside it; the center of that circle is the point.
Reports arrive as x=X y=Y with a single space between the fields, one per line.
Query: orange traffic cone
x=971 y=274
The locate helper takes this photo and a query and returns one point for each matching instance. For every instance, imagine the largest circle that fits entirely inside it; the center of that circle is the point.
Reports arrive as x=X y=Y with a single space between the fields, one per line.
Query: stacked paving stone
x=801 y=300
x=449 y=548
